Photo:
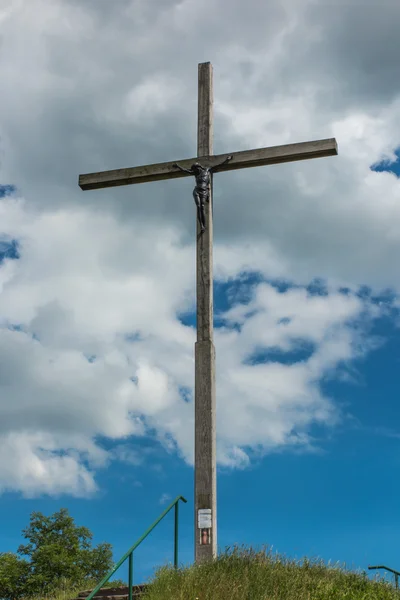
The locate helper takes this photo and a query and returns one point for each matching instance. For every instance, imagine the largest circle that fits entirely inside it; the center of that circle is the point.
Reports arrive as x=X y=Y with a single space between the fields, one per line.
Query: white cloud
x=34 y=465
x=152 y=98
x=104 y=274
x=74 y=305
x=165 y=498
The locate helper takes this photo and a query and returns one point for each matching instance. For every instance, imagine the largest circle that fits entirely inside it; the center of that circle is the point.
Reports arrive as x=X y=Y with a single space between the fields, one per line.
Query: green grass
x=245 y=574
x=70 y=591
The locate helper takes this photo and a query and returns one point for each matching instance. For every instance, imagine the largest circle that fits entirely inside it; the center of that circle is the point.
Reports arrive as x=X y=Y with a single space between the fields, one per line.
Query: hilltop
x=246 y=574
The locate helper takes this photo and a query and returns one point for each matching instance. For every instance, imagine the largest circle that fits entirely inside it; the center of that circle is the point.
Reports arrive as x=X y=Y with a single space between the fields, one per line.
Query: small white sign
x=204 y=518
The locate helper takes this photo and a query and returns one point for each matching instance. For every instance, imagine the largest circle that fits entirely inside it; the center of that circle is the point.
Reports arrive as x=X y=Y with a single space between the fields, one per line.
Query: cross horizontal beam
x=240 y=160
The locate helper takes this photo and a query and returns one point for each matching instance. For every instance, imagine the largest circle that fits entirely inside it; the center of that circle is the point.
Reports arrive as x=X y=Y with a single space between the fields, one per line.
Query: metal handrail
x=129 y=553
x=396 y=573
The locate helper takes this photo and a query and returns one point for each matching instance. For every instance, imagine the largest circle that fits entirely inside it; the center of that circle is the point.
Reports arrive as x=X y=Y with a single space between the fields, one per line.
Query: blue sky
x=97 y=288
x=338 y=503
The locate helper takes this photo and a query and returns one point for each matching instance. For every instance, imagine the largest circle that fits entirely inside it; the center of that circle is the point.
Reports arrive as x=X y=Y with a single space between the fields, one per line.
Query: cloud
x=100 y=351
x=36 y=465
x=165 y=498
x=91 y=341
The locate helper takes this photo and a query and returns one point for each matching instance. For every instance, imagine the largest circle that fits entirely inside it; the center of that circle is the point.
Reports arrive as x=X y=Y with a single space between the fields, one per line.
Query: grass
x=69 y=591
x=246 y=574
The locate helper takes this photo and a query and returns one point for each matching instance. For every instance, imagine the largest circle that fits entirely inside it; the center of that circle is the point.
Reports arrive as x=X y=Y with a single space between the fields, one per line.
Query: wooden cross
x=205 y=532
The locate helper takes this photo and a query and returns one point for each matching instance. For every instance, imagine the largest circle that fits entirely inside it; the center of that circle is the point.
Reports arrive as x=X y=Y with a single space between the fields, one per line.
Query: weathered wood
x=205 y=445
x=240 y=160
x=204 y=404
x=205 y=409
x=116 y=593
x=205 y=113
x=205 y=240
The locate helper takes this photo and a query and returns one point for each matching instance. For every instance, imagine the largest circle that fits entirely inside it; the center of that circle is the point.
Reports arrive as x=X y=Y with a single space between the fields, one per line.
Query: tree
x=98 y=561
x=14 y=574
x=60 y=551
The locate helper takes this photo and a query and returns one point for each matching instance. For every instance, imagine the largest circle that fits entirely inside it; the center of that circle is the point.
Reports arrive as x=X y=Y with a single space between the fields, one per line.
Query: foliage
x=14 y=573
x=69 y=592
x=60 y=554
x=243 y=573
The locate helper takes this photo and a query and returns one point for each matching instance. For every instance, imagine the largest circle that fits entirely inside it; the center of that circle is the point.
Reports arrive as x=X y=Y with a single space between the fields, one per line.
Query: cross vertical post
x=205 y=526
x=204 y=402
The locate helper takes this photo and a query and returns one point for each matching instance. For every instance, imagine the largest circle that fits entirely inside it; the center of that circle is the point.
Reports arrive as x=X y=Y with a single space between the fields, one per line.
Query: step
x=119 y=593
x=119 y=597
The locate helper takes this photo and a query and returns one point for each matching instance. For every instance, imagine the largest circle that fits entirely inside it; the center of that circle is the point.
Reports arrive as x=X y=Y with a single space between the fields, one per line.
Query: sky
x=97 y=289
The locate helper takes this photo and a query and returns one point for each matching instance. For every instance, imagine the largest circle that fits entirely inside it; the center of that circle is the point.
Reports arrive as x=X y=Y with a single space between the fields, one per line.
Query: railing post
x=129 y=554
x=130 y=576
x=396 y=581
x=176 y=536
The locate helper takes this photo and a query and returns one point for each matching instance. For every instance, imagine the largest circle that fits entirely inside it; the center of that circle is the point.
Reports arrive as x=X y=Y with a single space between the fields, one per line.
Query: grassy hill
x=244 y=574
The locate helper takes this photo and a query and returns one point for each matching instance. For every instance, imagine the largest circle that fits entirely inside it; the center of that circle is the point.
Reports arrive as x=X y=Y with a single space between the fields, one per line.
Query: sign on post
x=204 y=525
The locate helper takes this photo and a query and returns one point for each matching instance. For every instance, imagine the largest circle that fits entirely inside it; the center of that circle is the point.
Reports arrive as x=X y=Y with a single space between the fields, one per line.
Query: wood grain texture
x=205 y=409
x=205 y=444
x=204 y=270
x=205 y=400
x=240 y=160
x=205 y=125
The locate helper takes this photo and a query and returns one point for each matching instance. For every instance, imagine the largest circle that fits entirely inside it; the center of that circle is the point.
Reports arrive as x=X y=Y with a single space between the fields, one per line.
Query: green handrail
x=395 y=573
x=129 y=553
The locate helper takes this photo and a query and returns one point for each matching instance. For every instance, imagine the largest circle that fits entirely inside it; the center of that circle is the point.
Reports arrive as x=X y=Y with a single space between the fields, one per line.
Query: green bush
x=59 y=556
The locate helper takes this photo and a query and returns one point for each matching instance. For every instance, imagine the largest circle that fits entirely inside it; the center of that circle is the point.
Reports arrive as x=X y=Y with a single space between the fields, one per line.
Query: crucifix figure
x=205 y=520
x=201 y=192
